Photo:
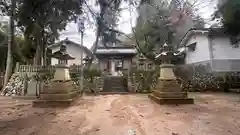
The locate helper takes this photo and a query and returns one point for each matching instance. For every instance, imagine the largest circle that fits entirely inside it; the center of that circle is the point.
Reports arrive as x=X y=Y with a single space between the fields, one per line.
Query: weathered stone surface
x=168 y=101
x=56 y=94
x=56 y=87
x=52 y=97
x=52 y=103
x=59 y=92
x=168 y=90
x=32 y=88
x=168 y=86
x=170 y=94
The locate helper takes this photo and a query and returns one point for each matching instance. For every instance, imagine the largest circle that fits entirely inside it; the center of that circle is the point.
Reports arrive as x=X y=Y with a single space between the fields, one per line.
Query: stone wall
x=15 y=86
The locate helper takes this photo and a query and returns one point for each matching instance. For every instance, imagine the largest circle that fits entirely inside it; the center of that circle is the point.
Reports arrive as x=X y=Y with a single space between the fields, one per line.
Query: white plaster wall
x=201 y=52
x=223 y=50
x=73 y=51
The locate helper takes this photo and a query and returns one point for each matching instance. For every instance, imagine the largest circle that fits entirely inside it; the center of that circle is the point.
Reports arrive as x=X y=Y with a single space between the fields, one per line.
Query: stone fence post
x=17 y=67
x=132 y=83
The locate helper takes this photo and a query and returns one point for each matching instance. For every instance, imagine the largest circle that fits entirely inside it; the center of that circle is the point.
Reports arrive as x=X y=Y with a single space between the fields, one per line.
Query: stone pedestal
x=32 y=88
x=61 y=73
x=168 y=91
x=59 y=92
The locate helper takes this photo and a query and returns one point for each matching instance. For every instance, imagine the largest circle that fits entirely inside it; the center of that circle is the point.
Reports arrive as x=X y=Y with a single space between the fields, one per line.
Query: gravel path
x=212 y=114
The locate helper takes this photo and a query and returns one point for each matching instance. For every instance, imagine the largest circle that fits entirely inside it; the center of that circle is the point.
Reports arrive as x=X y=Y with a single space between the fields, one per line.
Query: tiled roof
x=209 y=31
x=86 y=50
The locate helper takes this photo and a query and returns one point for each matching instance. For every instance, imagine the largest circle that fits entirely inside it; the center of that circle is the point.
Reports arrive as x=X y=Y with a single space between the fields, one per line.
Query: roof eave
x=190 y=32
x=73 y=43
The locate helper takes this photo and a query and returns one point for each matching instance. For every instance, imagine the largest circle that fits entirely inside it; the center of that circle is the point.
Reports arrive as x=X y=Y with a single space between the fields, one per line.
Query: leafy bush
x=87 y=73
x=198 y=78
x=89 y=76
x=145 y=80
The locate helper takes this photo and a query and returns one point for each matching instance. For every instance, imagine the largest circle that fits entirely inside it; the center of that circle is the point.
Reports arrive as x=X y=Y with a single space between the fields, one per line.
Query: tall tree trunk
x=44 y=45
x=9 y=66
x=37 y=58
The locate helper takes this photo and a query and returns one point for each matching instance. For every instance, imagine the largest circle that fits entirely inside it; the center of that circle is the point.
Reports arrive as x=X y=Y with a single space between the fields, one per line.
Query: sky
x=205 y=11
x=71 y=32
x=89 y=36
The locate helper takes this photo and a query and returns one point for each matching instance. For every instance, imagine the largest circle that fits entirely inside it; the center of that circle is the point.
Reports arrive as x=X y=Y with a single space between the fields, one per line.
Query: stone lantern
x=62 y=69
x=60 y=91
x=86 y=60
x=141 y=62
x=168 y=90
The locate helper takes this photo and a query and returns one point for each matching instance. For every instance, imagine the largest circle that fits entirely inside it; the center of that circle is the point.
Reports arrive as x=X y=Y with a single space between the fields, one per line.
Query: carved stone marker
x=32 y=87
x=168 y=90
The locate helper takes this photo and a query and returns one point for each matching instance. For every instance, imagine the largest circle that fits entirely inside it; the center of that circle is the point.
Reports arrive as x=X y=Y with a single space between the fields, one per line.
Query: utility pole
x=81 y=29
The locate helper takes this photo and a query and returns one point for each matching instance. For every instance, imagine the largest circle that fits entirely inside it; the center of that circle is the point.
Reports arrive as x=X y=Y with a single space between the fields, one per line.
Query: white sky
x=89 y=36
x=205 y=10
x=124 y=24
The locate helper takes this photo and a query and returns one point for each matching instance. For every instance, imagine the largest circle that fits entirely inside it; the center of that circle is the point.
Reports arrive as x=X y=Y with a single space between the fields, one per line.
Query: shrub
x=198 y=78
x=145 y=80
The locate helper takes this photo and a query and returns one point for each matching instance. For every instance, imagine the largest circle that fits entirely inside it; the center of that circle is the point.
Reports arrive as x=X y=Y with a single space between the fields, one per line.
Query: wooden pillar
x=129 y=66
x=108 y=65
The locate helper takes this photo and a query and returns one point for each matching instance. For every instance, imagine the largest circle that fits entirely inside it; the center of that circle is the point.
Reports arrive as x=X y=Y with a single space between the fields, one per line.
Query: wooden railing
x=31 y=70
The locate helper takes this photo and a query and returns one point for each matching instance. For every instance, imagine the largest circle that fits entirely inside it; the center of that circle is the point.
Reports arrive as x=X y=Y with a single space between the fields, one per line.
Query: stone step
x=25 y=97
x=56 y=103
x=170 y=94
x=113 y=93
x=53 y=97
x=115 y=89
x=114 y=84
x=170 y=101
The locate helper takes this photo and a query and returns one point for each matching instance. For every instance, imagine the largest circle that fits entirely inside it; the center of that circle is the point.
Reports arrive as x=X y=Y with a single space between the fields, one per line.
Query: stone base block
x=58 y=87
x=170 y=94
x=114 y=93
x=25 y=97
x=169 y=101
x=168 y=86
x=63 y=96
x=55 y=100
x=53 y=103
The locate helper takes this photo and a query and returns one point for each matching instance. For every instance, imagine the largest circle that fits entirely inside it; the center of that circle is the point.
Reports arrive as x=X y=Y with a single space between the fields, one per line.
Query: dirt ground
x=212 y=114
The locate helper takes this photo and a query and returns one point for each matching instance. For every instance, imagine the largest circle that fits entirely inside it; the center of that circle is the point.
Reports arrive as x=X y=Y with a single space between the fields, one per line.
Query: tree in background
x=3 y=49
x=229 y=13
x=167 y=24
x=21 y=52
x=9 y=64
x=41 y=21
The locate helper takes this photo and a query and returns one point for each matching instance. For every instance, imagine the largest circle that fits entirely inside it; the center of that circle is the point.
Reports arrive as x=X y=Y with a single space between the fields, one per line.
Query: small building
x=114 y=60
x=113 y=57
x=211 y=47
x=73 y=49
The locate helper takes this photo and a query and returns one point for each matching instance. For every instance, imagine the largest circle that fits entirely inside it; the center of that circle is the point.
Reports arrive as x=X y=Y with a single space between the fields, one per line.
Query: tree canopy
x=41 y=20
x=229 y=12
x=167 y=24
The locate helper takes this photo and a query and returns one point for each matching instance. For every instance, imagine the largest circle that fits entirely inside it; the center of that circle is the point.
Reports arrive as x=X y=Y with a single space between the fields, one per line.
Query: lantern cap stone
x=62 y=54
